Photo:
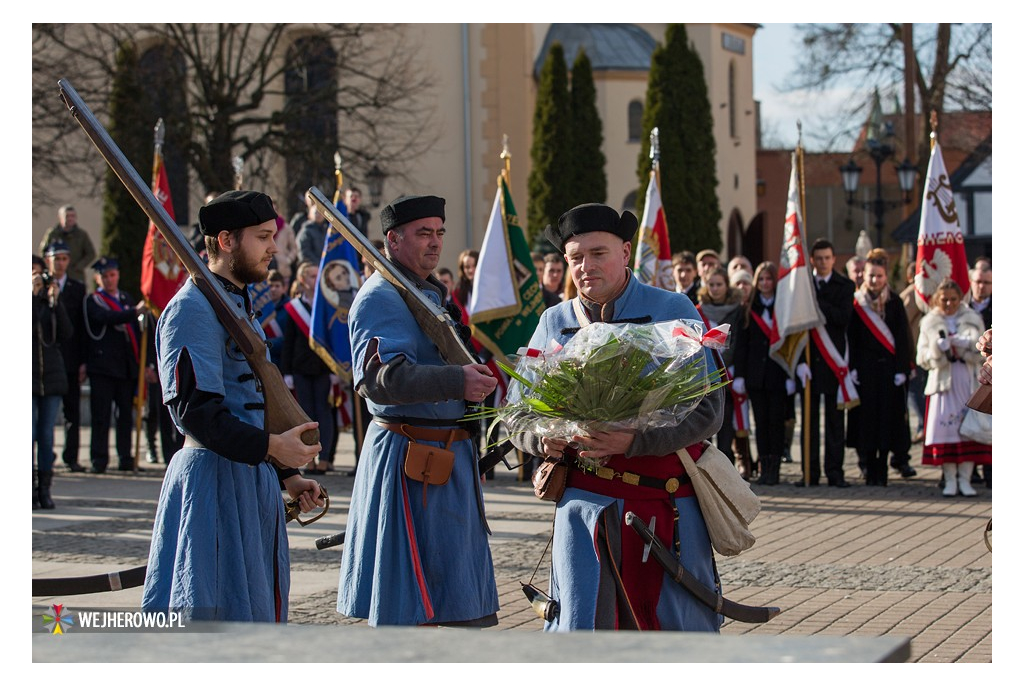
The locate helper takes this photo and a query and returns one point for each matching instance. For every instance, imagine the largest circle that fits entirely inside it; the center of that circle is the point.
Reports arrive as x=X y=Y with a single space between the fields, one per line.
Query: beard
x=248 y=269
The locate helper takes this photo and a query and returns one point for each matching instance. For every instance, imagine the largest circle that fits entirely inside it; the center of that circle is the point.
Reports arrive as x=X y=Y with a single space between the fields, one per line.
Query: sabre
x=707 y=596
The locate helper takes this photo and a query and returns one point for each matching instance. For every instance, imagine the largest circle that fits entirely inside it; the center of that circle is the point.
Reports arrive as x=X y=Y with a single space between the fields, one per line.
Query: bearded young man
x=219 y=548
x=598 y=577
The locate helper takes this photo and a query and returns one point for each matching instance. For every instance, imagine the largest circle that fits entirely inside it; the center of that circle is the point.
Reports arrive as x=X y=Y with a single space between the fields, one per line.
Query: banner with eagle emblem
x=940 y=242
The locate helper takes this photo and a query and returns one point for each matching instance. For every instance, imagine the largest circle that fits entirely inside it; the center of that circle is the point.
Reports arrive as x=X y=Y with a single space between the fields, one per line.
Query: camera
x=46 y=278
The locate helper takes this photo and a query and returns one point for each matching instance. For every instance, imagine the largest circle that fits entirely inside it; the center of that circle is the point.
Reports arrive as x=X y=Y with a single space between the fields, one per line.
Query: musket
x=282 y=411
x=707 y=596
x=434 y=320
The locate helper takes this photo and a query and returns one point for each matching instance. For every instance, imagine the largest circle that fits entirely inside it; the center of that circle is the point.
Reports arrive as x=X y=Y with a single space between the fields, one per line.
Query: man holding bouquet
x=599 y=576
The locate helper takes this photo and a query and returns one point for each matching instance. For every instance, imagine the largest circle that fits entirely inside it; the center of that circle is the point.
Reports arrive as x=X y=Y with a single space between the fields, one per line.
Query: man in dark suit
x=835 y=299
x=72 y=296
x=112 y=363
x=980 y=296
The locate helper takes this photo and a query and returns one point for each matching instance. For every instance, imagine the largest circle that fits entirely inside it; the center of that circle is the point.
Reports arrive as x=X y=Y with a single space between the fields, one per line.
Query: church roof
x=608 y=46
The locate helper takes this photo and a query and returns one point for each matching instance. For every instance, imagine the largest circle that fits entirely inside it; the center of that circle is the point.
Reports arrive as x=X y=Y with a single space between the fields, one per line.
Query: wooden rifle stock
x=282 y=412
x=434 y=320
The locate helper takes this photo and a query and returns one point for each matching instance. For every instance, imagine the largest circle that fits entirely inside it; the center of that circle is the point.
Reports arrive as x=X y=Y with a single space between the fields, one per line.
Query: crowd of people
x=900 y=366
x=111 y=333
x=416 y=550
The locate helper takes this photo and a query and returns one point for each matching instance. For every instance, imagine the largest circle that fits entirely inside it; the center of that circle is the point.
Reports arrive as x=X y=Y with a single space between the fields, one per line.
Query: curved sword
x=676 y=571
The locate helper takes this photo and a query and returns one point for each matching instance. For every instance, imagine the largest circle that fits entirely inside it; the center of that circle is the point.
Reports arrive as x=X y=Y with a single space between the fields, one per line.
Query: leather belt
x=669 y=485
x=446 y=435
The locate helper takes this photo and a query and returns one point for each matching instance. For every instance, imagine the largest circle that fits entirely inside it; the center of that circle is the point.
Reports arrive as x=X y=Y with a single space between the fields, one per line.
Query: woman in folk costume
x=880 y=355
x=946 y=349
x=720 y=304
x=762 y=378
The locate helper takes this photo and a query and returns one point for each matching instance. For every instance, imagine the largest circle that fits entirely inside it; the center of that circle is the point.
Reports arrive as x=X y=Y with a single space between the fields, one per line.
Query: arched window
x=629 y=202
x=163 y=67
x=310 y=85
x=732 y=99
x=636 y=124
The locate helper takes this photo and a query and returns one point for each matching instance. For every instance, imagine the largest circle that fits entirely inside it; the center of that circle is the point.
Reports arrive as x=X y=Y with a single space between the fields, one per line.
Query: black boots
x=43 y=491
x=769 y=467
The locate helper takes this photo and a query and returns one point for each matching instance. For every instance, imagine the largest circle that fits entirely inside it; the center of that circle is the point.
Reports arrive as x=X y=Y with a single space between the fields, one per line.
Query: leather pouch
x=549 y=480
x=429 y=465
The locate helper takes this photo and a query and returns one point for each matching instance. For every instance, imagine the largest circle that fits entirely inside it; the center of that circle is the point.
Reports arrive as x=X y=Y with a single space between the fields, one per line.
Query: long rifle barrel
x=282 y=410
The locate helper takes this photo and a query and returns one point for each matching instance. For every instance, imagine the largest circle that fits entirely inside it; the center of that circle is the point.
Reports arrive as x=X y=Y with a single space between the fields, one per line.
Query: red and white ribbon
x=846 y=397
x=716 y=338
x=874 y=322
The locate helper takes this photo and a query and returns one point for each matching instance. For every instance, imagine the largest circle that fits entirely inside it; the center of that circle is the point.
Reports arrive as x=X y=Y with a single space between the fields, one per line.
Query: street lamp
x=880 y=149
x=375 y=179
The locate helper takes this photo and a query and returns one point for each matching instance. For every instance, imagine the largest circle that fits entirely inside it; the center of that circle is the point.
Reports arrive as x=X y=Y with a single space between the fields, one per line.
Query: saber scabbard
x=678 y=573
x=84 y=585
x=331 y=540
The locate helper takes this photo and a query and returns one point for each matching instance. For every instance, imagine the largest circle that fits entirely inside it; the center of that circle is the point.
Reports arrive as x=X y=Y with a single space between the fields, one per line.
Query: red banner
x=162 y=271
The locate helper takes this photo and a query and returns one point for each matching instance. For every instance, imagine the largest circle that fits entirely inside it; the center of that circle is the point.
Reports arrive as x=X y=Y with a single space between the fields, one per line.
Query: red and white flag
x=940 y=242
x=653 y=264
x=162 y=271
x=796 y=303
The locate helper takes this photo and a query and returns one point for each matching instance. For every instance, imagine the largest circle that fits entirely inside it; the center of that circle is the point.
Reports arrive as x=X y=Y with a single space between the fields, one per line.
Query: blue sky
x=775 y=57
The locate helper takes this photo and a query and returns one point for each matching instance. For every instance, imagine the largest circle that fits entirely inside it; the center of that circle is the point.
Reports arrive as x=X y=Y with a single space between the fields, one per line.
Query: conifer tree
x=550 y=177
x=124 y=223
x=590 y=183
x=677 y=103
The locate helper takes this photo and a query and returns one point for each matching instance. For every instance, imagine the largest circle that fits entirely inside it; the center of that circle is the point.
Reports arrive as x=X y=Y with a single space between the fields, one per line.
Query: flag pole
x=140 y=394
x=805 y=434
x=506 y=173
x=358 y=435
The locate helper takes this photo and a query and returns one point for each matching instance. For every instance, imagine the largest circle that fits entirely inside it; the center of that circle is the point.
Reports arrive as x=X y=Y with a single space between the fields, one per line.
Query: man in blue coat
x=598 y=576
x=219 y=548
x=415 y=553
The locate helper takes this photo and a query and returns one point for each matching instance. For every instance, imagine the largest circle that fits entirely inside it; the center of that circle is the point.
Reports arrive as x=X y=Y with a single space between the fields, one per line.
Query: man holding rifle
x=416 y=550
x=219 y=549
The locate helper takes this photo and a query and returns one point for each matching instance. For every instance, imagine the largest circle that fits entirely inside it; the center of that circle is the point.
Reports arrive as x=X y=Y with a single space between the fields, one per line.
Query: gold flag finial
x=934 y=122
x=655 y=146
x=506 y=156
x=339 y=178
x=158 y=134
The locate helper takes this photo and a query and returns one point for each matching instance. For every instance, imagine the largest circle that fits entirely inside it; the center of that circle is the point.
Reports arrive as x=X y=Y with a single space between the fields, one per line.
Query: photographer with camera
x=50 y=327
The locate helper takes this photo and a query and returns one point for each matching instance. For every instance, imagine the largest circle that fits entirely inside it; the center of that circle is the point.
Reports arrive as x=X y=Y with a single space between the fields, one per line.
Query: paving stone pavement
x=861 y=561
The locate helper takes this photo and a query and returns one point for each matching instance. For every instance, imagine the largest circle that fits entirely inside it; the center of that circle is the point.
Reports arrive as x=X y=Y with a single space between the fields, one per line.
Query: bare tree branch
x=235 y=93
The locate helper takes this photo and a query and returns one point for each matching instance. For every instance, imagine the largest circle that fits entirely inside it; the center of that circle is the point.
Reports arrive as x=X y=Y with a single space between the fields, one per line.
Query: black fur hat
x=589 y=218
x=235 y=209
x=409 y=208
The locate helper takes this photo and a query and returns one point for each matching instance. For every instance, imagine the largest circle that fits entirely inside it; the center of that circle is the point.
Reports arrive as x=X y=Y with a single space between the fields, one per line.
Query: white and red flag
x=653 y=264
x=796 y=303
x=940 y=242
